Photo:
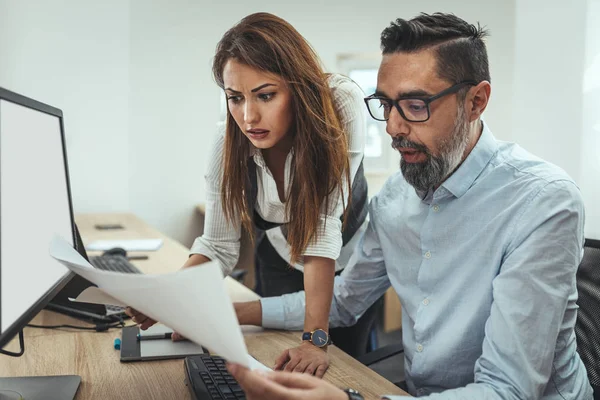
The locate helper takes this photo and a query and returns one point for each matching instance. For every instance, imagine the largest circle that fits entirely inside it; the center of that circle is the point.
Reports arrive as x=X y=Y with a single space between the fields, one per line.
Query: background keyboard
x=117 y=264
x=114 y=263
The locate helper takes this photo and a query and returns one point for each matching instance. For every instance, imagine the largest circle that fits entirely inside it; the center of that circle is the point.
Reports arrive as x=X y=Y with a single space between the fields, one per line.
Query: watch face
x=353 y=394
x=320 y=338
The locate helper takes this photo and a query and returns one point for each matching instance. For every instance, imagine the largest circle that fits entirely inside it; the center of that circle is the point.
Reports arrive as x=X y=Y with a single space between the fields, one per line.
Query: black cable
x=102 y=327
x=21 y=343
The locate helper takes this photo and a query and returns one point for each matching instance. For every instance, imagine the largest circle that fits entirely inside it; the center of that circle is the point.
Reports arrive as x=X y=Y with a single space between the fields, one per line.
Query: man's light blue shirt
x=485 y=270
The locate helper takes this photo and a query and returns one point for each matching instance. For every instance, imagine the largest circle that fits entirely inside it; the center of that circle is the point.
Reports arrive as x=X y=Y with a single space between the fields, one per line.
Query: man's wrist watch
x=318 y=337
x=353 y=394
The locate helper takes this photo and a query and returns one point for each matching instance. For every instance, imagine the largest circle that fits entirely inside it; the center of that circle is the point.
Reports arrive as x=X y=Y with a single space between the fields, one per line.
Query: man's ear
x=477 y=100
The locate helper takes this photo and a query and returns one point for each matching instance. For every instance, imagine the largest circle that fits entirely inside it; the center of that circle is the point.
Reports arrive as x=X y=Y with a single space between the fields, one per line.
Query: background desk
x=91 y=354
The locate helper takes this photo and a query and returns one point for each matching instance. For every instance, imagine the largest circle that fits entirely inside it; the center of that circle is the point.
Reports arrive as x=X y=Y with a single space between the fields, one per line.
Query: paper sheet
x=192 y=301
x=128 y=245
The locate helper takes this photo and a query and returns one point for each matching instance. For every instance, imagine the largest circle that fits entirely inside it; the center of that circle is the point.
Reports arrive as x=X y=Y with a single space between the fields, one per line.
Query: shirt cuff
x=272 y=312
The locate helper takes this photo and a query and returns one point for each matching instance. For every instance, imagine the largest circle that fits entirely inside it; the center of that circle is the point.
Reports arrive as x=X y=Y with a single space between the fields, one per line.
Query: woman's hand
x=306 y=358
x=283 y=385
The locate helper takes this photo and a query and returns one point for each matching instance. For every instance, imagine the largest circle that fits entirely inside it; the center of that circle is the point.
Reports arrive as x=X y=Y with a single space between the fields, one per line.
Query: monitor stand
x=61 y=387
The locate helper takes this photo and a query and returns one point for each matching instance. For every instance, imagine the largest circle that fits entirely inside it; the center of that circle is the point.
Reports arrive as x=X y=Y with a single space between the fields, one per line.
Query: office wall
x=554 y=115
x=548 y=80
x=75 y=55
x=590 y=144
x=174 y=102
x=133 y=79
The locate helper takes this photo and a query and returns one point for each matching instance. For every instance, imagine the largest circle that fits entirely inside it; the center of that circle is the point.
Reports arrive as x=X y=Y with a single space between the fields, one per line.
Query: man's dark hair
x=460 y=49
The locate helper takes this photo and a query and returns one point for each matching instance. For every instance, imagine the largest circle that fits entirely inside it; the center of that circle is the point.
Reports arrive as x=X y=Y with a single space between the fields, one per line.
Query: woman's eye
x=266 y=96
x=234 y=99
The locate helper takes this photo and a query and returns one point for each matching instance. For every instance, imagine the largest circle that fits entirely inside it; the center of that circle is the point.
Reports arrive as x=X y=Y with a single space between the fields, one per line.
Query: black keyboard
x=114 y=263
x=207 y=378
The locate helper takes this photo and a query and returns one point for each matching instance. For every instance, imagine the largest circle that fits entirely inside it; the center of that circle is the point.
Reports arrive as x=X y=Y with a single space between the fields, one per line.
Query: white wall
x=548 y=80
x=74 y=55
x=590 y=144
x=174 y=101
x=133 y=79
x=554 y=115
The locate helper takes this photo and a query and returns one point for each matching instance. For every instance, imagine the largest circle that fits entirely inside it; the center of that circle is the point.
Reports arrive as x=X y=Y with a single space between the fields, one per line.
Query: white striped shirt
x=221 y=240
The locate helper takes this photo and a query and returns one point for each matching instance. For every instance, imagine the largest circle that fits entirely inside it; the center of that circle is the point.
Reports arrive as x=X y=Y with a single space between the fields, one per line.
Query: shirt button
x=419 y=347
x=426 y=302
x=436 y=208
x=428 y=254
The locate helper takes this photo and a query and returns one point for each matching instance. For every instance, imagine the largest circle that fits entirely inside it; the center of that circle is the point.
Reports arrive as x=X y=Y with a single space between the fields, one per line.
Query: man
x=480 y=239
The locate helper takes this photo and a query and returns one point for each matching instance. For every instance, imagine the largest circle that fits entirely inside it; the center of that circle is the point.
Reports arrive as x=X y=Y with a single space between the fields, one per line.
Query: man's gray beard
x=431 y=173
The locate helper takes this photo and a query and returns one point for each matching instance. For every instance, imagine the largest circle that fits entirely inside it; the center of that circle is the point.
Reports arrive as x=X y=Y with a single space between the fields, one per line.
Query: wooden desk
x=91 y=354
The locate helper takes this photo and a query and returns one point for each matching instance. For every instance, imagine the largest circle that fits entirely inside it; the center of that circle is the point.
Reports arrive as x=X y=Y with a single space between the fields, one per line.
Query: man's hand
x=144 y=322
x=306 y=358
x=283 y=385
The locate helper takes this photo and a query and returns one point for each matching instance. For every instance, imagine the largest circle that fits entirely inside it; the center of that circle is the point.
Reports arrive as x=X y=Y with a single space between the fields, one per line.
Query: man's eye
x=386 y=105
x=417 y=106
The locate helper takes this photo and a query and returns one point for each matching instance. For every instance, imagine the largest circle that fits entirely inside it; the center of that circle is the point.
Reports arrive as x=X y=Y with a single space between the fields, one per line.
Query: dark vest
x=356 y=214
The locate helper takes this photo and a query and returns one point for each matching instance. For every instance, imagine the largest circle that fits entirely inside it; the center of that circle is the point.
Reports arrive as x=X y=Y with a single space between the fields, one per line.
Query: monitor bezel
x=23 y=320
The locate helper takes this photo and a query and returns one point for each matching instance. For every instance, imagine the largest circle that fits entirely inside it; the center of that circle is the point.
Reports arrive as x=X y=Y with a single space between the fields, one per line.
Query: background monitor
x=35 y=204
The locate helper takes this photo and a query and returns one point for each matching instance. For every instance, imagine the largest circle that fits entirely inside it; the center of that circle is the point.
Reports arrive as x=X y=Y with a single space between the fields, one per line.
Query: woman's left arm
x=318 y=285
x=319 y=257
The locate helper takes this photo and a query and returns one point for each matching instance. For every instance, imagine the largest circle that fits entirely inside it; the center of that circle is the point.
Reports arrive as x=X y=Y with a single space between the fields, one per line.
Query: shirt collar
x=256 y=155
x=463 y=178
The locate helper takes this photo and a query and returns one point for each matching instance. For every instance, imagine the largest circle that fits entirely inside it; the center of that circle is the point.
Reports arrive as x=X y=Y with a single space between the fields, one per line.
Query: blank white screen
x=34 y=206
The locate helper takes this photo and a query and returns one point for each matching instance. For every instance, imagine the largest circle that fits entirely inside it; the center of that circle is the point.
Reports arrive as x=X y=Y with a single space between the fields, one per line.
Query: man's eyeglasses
x=412 y=109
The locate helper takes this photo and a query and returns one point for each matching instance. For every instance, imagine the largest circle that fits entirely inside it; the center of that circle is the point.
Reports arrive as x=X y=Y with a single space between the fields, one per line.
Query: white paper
x=192 y=301
x=96 y=296
x=255 y=364
x=128 y=245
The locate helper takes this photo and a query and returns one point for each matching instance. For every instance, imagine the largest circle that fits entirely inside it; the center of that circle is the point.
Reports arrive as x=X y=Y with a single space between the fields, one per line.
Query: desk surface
x=91 y=354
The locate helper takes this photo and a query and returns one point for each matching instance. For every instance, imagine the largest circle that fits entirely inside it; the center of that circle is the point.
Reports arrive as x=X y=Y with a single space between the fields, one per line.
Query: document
x=192 y=301
x=128 y=245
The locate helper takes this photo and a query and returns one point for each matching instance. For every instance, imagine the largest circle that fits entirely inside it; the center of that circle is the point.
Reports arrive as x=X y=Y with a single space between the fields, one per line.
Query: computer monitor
x=35 y=205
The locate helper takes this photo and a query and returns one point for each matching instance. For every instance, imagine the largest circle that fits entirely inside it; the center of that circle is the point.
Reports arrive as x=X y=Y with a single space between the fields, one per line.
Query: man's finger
x=281 y=360
x=258 y=386
x=176 y=337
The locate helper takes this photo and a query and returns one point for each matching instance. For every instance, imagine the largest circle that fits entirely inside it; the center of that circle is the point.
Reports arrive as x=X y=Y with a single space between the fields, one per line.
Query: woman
x=283 y=170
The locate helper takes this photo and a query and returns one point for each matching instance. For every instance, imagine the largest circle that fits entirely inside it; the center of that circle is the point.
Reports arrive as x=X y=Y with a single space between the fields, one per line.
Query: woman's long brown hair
x=320 y=164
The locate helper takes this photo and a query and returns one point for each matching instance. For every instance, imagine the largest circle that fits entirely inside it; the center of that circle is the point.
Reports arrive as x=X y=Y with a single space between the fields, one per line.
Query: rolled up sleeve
x=348 y=99
x=221 y=238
